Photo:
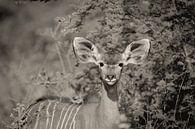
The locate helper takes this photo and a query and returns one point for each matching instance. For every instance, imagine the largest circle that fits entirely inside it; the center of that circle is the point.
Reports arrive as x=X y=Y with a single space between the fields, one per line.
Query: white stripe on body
x=73 y=123
x=66 y=120
x=37 y=118
x=60 y=117
x=69 y=117
x=67 y=111
x=53 y=114
x=47 y=114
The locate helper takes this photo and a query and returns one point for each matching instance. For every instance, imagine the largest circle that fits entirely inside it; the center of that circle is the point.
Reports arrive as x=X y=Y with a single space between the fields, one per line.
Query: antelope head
x=110 y=63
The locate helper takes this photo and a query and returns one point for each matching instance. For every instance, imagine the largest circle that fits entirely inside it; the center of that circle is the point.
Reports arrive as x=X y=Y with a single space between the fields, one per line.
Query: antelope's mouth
x=111 y=82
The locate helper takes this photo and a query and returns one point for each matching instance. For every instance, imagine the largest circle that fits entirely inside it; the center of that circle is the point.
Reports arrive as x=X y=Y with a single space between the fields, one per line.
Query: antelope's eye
x=120 y=64
x=101 y=64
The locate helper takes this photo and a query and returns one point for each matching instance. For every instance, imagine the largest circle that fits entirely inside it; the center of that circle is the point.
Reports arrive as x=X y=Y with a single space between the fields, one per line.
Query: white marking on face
x=110 y=74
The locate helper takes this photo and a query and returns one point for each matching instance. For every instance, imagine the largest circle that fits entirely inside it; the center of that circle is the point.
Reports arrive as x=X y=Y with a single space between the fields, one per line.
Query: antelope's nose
x=111 y=77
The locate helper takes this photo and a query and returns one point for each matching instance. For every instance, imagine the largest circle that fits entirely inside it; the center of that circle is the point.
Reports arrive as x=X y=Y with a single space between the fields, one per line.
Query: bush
x=159 y=93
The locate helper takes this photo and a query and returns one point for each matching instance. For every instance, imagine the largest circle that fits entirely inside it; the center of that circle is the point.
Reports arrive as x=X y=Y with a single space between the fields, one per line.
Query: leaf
x=172 y=89
x=161 y=83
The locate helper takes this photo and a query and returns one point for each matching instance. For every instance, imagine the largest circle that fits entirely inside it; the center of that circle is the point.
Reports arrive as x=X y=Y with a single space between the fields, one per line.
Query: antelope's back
x=58 y=114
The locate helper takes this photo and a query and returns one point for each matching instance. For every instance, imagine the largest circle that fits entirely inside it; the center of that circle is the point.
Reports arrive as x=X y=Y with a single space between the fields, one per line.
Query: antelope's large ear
x=136 y=52
x=85 y=50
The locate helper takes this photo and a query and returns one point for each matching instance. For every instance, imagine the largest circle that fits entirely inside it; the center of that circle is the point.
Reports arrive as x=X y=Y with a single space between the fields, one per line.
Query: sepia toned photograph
x=97 y=64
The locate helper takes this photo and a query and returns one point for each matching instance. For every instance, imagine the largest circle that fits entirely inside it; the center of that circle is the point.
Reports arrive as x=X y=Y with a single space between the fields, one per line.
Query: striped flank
x=51 y=114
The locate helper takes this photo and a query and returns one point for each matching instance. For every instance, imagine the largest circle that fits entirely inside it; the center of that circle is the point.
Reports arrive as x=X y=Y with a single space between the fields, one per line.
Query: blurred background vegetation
x=23 y=51
x=36 y=53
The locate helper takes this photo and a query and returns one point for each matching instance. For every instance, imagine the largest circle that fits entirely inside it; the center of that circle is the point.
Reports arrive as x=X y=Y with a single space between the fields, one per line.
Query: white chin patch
x=110 y=82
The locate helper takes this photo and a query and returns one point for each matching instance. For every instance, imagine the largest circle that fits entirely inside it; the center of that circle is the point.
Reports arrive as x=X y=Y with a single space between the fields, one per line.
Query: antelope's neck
x=108 y=110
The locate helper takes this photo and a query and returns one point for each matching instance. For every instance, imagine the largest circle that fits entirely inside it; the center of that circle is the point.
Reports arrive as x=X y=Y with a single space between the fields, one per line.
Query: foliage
x=158 y=94
x=163 y=91
x=19 y=118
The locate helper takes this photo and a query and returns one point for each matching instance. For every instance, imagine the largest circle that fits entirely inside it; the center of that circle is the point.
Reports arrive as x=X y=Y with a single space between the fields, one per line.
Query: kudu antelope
x=56 y=114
